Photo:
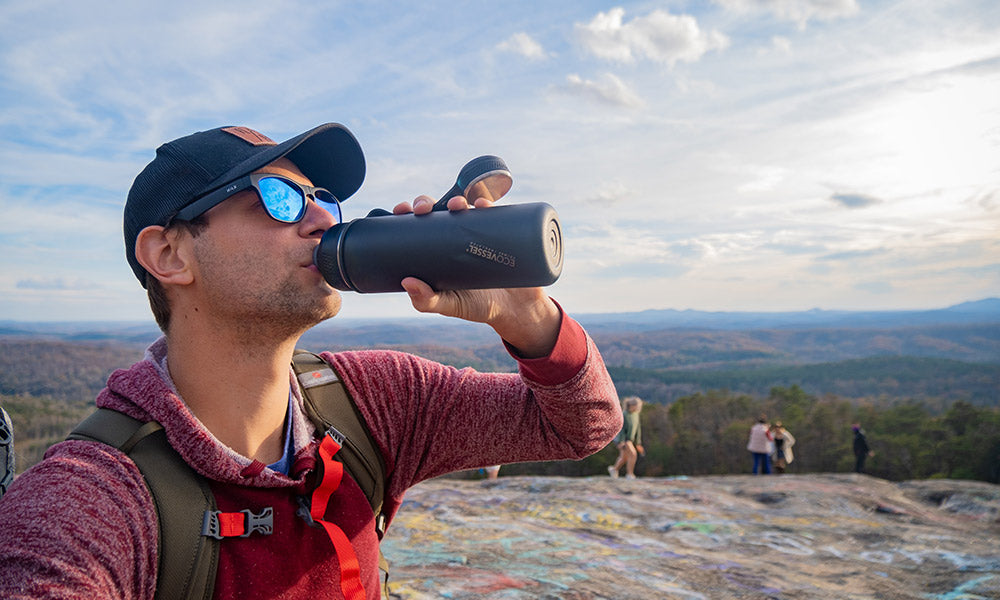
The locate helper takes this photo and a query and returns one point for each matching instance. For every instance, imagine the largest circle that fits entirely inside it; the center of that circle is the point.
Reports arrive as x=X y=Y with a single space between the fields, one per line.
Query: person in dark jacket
x=861 y=449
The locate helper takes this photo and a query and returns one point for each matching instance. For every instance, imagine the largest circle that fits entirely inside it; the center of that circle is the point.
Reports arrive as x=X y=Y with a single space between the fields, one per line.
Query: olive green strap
x=328 y=404
x=188 y=560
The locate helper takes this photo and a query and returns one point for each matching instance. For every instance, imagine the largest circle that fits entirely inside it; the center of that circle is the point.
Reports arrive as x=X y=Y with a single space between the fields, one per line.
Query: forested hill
x=50 y=372
x=951 y=353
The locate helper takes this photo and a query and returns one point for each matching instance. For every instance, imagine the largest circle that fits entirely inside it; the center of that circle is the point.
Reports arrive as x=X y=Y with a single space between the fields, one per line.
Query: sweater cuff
x=566 y=359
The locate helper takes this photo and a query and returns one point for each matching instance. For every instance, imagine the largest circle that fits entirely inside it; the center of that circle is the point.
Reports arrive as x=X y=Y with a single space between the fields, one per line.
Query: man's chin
x=331 y=305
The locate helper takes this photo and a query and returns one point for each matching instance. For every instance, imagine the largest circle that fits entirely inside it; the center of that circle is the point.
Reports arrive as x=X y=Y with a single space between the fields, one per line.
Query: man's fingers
x=458 y=203
x=422 y=296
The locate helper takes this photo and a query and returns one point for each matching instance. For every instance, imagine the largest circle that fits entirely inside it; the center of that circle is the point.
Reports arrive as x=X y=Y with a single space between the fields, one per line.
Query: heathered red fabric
x=81 y=524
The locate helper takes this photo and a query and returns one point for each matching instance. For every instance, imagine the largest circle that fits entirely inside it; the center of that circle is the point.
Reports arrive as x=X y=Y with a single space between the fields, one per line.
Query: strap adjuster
x=336 y=436
x=218 y=524
x=305 y=511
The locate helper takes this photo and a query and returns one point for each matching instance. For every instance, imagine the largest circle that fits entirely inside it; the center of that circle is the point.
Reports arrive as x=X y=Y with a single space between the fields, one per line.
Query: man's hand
x=526 y=318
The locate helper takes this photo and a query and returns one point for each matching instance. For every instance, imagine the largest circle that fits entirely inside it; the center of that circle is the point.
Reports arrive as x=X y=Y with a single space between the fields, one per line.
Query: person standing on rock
x=629 y=439
x=760 y=446
x=861 y=449
x=783 y=442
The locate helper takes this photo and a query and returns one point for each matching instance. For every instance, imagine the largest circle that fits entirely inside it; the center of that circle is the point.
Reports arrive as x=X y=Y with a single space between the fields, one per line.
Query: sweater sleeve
x=80 y=524
x=430 y=419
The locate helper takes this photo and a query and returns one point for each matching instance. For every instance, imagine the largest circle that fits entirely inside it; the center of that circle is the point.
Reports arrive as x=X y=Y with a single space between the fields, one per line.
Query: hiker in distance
x=861 y=448
x=760 y=445
x=629 y=439
x=220 y=229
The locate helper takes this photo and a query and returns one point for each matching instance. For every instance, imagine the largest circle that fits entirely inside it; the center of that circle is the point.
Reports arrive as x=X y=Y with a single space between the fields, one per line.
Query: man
x=861 y=449
x=220 y=228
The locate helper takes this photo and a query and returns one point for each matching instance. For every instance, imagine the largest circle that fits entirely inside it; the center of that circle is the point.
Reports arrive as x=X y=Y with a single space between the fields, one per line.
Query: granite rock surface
x=839 y=536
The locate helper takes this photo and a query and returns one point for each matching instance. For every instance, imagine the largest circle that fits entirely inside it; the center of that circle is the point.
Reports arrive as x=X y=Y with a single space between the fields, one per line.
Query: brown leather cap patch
x=250 y=136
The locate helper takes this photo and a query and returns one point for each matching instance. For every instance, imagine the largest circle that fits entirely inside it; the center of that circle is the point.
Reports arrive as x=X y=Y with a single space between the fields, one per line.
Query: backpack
x=6 y=452
x=185 y=505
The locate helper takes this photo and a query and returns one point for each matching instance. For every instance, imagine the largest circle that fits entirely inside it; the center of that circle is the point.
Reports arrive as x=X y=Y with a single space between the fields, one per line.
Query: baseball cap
x=192 y=166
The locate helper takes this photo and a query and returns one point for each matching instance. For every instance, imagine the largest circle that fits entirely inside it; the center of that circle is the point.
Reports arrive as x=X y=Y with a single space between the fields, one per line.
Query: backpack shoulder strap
x=188 y=559
x=329 y=405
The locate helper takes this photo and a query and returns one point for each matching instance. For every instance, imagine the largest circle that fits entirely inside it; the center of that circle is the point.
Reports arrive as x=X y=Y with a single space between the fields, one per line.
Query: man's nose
x=316 y=220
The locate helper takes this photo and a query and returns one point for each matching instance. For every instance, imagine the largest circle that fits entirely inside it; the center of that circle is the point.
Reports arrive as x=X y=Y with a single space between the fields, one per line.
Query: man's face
x=260 y=272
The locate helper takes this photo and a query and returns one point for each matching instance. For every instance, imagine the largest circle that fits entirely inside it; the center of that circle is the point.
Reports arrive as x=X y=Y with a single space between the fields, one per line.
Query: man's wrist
x=532 y=332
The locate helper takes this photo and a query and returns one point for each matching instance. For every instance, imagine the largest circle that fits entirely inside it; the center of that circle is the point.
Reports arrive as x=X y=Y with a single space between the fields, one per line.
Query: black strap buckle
x=262 y=523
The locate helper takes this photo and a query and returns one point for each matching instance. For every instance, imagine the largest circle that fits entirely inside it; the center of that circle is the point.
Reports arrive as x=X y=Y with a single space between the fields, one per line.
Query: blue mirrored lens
x=282 y=201
x=329 y=203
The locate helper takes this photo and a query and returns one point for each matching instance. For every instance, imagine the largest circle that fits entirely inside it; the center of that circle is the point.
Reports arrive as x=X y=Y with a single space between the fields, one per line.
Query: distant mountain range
x=449 y=332
x=980 y=311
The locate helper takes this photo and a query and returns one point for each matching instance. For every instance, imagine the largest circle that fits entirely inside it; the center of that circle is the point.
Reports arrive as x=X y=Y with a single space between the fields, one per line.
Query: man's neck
x=237 y=386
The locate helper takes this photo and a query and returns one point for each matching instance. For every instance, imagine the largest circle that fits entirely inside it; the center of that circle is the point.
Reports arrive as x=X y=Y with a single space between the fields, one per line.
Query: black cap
x=192 y=166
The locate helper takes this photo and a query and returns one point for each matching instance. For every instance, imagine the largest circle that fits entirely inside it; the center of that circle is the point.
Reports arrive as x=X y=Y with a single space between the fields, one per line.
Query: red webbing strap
x=232 y=524
x=350 y=568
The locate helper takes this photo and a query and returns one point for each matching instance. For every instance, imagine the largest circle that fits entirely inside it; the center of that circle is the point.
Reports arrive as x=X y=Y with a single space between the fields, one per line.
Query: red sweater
x=82 y=524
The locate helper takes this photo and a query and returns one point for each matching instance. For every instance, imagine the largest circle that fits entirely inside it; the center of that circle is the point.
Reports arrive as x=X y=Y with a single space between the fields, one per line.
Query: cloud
x=609 y=194
x=524 y=45
x=763 y=179
x=660 y=37
x=875 y=287
x=610 y=90
x=988 y=201
x=781 y=44
x=58 y=284
x=855 y=200
x=797 y=11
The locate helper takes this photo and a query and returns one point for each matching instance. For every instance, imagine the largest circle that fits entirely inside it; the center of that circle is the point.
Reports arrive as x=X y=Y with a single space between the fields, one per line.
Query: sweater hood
x=146 y=392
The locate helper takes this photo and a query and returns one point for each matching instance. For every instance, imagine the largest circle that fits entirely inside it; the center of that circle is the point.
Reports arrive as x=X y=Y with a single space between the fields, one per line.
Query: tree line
x=691 y=426
x=706 y=433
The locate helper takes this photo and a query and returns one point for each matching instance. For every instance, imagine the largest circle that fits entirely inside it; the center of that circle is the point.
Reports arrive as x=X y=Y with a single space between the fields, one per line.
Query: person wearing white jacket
x=783 y=442
x=760 y=446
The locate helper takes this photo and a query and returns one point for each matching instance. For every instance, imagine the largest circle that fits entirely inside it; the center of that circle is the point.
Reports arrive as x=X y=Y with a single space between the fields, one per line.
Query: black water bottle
x=518 y=245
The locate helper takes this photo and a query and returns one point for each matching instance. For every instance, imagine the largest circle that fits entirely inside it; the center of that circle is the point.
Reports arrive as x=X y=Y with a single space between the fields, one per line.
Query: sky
x=725 y=155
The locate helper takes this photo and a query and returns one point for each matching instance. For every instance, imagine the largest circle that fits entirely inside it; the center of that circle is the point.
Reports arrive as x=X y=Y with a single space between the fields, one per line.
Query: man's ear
x=165 y=254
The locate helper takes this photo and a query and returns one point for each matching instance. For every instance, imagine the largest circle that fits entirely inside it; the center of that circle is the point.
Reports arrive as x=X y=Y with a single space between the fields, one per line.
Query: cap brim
x=328 y=155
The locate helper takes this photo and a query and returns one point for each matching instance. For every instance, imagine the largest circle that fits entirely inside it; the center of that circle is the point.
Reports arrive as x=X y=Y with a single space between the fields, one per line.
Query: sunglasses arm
x=203 y=204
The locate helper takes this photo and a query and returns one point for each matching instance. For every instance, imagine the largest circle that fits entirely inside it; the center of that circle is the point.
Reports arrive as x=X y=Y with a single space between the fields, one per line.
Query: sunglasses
x=284 y=199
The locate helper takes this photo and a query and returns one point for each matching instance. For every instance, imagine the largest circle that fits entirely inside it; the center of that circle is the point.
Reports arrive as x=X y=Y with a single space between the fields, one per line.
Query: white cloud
x=781 y=44
x=610 y=90
x=610 y=193
x=797 y=11
x=659 y=36
x=523 y=45
x=56 y=284
x=763 y=179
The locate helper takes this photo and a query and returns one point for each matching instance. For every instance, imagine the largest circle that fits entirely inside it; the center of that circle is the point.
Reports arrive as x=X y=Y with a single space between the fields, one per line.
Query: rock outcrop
x=840 y=536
